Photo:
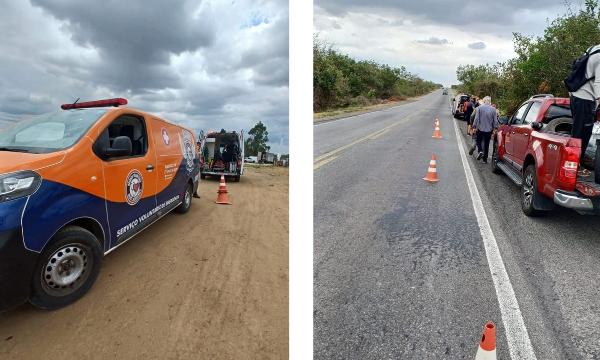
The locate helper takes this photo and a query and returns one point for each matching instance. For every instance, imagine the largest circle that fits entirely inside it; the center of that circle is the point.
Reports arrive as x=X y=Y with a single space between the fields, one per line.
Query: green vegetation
x=541 y=64
x=340 y=81
x=257 y=140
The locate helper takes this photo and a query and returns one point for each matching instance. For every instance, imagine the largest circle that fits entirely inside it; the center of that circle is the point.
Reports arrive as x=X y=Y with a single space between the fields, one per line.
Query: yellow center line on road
x=378 y=135
x=324 y=161
x=318 y=162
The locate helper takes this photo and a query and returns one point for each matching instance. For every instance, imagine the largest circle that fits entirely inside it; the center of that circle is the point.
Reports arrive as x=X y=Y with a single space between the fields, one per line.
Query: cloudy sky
x=206 y=64
x=432 y=37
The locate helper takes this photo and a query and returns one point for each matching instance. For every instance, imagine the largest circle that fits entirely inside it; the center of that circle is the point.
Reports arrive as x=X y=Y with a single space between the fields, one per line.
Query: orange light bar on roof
x=93 y=104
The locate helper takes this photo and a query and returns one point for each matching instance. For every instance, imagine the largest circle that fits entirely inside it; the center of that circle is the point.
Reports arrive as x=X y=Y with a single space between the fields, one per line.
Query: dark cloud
x=204 y=64
x=434 y=41
x=134 y=39
x=480 y=45
x=479 y=16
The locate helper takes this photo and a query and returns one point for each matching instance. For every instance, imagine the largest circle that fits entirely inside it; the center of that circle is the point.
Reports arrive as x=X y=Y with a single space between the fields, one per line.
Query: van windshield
x=49 y=132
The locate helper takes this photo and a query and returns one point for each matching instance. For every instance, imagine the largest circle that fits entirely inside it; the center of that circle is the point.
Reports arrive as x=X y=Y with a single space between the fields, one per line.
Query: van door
x=130 y=181
x=241 y=136
x=176 y=159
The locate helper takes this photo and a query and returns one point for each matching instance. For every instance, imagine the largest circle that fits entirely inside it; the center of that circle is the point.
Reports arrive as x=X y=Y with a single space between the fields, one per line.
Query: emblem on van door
x=165 y=136
x=133 y=187
x=189 y=151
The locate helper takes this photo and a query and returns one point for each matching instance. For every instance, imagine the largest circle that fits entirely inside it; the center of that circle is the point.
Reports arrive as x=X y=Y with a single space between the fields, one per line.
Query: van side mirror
x=121 y=147
x=537 y=125
x=503 y=120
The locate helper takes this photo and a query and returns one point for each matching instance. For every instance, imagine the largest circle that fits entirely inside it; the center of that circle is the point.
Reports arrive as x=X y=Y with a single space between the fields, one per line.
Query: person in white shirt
x=583 y=104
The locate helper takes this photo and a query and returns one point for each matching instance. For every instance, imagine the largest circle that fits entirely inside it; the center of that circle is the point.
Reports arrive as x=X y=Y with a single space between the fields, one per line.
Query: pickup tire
x=495 y=168
x=529 y=192
x=561 y=125
x=66 y=269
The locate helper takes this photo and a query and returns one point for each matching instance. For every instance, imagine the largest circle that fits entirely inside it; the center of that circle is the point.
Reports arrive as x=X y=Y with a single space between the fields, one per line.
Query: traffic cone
x=487 y=346
x=436 y=133
x=432 y=171
x=222 y=197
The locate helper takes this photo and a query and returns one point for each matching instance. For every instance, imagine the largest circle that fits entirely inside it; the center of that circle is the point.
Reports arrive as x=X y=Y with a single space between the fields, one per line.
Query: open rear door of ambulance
x=242 y=146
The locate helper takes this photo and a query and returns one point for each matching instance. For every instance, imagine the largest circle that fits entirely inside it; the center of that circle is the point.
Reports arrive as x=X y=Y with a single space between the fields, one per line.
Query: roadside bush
x=340 y=81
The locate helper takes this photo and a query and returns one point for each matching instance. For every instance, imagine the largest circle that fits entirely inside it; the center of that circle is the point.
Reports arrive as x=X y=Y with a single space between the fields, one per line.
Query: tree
x=257 y=140
x=541 y=64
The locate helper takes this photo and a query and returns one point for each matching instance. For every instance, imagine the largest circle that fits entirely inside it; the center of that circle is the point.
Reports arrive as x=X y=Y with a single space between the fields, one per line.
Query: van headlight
x=18 y=184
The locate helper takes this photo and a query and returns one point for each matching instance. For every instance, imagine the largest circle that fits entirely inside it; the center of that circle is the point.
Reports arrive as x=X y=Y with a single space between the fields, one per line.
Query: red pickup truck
x=534 y=148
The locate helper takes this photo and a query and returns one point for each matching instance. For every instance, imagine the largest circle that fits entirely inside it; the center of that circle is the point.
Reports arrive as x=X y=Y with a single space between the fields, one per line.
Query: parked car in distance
x=445 y=91
x=78 y=183
x=457 y=105
x=535 y=149
x=250 y=159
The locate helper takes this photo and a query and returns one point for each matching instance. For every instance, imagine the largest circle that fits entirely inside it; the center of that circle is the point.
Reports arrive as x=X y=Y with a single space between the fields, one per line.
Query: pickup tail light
x=567 y=176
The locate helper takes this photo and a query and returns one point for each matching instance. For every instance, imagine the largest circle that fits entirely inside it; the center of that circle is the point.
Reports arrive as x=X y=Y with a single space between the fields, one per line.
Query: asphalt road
x=400 y=265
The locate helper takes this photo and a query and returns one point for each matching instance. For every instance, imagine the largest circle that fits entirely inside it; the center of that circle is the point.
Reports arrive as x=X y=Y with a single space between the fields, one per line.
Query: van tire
x=187 y=200
x=562 y=125
x=529 y=192
x=45 y=294
x=236 y=178
x=202 y=176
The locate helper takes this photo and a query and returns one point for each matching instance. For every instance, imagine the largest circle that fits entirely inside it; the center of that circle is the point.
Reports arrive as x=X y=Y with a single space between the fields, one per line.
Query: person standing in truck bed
x=583 y=103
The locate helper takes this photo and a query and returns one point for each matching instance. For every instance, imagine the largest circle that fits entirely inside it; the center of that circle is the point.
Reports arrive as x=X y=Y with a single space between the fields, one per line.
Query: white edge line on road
x=519 y=344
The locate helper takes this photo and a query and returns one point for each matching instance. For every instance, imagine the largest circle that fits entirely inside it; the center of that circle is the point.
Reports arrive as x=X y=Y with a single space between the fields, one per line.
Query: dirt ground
x=210 y=284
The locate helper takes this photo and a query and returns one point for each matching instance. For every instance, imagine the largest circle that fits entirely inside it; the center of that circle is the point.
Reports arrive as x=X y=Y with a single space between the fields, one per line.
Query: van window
x=49 y=132
x=127 y=125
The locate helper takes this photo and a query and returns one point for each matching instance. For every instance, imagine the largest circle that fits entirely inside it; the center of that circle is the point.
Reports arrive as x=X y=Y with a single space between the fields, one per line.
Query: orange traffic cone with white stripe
x=432 y=171
x=222 y=197
x=437 y=134
x=487 y=345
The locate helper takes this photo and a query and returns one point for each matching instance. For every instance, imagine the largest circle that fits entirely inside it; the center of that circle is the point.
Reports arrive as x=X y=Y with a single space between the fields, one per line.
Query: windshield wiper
x=14 y=149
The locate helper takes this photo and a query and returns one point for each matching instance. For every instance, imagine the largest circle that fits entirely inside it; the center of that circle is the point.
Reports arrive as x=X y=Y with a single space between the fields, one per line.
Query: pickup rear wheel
x=495 y=168
x=66 y=269
x=529 y=192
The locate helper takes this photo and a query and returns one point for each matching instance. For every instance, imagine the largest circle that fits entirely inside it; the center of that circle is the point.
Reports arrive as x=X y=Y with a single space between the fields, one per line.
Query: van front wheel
x=187 y=200
x=66 y=269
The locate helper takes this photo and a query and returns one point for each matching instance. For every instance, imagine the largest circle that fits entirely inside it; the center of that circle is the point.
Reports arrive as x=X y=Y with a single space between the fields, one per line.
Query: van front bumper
x=573 y=201
x=16 y=269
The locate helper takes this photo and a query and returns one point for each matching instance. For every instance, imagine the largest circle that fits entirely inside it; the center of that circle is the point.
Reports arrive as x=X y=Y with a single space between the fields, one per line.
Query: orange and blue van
x=76 y=184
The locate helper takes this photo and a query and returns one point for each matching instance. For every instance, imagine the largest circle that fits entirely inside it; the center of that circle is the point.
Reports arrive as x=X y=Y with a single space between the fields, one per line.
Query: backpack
x=577 y=78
